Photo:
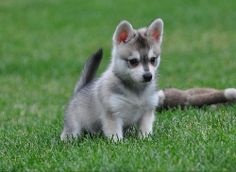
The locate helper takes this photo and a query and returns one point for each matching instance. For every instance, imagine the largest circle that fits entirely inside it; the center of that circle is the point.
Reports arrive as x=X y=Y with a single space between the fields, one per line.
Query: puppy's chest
x=132 y=107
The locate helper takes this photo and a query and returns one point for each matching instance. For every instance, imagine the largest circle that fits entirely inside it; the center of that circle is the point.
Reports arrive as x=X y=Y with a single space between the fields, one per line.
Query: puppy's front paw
x=115 y=138
x=146 y=124
x=112 y=128
x=144 y=134
x=69 y=136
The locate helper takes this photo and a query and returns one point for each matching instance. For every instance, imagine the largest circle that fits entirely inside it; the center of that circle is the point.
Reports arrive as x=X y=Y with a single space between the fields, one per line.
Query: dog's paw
x=69 y=136
x=143 y=135
x=115 y=138
x=230 y=94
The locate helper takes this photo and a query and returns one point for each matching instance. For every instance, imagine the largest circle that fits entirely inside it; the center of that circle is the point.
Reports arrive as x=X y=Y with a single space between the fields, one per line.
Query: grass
x=44 y=45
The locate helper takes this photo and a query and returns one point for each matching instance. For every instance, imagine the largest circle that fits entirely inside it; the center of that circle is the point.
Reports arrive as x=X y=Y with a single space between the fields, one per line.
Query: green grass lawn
x=43 y=46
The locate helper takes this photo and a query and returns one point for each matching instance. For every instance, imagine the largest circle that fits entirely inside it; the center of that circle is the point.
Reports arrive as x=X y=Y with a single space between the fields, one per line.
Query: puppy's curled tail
x=89 y=70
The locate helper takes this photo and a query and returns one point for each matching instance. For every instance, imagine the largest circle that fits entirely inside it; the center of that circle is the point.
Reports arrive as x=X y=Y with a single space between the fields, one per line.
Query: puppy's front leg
x=112 y=127
x=146 y=124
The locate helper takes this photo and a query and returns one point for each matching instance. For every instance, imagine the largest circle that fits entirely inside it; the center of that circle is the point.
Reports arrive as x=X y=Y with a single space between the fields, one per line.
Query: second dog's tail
x=89 y=70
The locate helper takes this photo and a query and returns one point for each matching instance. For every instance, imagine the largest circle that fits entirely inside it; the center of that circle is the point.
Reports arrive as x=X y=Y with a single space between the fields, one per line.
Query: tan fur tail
x=207 y=98
x=195 y=97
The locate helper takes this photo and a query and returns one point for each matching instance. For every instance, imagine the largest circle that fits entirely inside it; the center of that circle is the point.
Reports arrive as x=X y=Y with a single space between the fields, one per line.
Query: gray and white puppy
x=125 y=94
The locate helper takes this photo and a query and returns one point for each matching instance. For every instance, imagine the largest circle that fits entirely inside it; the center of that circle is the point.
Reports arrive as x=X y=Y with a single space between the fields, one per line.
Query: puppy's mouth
x=146 y=82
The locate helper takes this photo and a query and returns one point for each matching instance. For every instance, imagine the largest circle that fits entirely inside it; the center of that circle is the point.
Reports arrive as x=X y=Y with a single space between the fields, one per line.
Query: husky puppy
x=125 y=94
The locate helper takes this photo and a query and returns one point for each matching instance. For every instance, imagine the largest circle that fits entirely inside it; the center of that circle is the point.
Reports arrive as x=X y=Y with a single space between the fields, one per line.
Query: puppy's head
x=136 y=53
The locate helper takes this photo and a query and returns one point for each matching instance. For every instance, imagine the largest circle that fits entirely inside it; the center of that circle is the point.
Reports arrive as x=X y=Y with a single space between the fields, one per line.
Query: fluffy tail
x=89 y=70
x=195 y=97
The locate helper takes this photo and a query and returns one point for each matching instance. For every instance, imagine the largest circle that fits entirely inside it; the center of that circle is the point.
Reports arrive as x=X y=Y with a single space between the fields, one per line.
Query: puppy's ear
x=155 y=30
x=123 y=32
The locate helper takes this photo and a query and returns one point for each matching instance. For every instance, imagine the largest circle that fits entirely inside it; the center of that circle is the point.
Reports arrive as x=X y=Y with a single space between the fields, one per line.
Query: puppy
x=125 y=94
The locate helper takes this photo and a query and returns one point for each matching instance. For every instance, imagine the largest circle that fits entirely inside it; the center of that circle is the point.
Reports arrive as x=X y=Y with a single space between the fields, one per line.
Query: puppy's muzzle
x=147 y=77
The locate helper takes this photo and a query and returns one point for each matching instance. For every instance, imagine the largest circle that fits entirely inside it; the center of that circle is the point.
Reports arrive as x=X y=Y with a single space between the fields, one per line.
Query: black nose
x=147 y=77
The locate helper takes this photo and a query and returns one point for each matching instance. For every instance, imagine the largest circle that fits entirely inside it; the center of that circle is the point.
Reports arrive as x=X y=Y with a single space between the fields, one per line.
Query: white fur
x=230 y=93
x=146 y=124
x=161 y=96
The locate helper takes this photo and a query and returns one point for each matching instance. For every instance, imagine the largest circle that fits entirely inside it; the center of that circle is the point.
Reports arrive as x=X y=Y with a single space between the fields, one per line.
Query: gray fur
x=119 y=98
x=89 y=70
x=141 y=42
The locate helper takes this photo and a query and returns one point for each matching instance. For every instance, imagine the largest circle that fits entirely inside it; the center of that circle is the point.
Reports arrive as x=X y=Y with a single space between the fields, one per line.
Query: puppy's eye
x=133 y=62
x=153 y=61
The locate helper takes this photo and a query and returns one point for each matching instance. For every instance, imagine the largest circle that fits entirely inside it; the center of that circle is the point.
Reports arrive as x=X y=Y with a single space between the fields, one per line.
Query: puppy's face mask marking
x=136 y=53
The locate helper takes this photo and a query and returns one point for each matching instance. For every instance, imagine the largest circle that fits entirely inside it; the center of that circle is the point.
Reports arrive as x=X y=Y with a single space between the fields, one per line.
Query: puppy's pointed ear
x=155 y=30
x=123 y=32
